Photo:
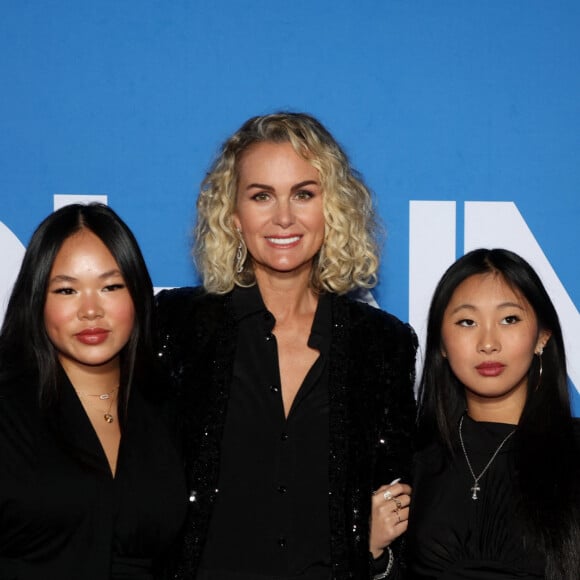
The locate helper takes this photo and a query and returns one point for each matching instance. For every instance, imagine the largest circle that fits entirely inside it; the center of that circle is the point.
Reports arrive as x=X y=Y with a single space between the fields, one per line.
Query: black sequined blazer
x=372 y=411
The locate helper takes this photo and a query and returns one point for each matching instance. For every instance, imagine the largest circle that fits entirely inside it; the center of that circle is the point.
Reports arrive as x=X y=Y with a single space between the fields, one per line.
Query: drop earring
x=541 y=369
x=240 y=254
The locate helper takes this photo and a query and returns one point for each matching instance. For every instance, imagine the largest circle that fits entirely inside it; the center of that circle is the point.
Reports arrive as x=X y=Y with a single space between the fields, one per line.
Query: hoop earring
x=541 y=370
x=241 y=253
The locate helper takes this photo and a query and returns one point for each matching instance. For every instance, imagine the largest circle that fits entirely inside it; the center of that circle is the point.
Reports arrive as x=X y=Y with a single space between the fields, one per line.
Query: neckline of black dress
x=484 y=436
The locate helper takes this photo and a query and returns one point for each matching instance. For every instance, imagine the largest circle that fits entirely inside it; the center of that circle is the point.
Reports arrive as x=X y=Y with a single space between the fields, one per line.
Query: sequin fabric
x=372 y=412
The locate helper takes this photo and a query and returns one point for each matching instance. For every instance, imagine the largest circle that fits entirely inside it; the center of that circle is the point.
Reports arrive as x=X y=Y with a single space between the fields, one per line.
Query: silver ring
x=387 y=495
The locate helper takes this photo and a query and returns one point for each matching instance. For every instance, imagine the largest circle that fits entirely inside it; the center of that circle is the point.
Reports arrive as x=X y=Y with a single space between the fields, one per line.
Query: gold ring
x=397 y=503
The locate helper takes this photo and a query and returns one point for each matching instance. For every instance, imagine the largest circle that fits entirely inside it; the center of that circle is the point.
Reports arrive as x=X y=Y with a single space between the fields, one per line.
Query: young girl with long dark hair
x=497 y=482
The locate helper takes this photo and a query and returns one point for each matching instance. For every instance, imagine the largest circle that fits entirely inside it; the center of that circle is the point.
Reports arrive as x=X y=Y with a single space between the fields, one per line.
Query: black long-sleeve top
x=62 y=513
x=371 y=362
x=452 y=536
x=272 y=508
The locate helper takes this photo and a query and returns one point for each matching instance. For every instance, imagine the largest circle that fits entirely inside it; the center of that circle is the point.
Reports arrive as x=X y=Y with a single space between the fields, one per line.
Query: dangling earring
x=240 y=254
x=539 y=355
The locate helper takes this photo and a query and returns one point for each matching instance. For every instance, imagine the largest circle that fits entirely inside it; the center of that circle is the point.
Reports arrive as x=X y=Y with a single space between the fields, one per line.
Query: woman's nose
x=90 y=308
x=284 y=215
x=489 y=342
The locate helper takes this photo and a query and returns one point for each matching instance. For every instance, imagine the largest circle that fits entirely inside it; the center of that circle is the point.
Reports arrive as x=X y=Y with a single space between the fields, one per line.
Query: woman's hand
x=389 y=515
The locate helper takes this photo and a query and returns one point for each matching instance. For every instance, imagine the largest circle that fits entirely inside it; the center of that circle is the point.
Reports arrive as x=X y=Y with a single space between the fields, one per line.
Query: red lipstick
x=490 y=368
x=92 y=336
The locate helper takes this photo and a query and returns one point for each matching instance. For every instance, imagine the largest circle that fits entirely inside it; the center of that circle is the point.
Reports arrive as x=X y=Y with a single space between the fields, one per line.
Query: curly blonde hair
x=349 y=257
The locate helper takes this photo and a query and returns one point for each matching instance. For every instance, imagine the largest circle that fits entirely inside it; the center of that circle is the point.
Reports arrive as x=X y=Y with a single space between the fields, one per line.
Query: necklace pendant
x=104 y=396
x=475 y=488
x=108 y=417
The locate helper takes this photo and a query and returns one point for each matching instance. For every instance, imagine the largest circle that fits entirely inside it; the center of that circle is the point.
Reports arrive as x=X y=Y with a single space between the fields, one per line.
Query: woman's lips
x=490 y=369
x=283 y=242
x=92 y=336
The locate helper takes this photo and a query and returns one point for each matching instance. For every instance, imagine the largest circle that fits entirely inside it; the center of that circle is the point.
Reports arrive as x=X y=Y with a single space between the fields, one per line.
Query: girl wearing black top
x=91 y=484
x=497 y=482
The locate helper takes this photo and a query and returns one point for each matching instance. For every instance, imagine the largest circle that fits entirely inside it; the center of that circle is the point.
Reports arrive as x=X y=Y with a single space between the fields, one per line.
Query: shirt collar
x=321 y=326
x=248 y=302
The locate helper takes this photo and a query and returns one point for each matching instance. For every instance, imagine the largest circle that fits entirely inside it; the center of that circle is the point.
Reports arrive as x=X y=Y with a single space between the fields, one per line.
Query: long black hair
x=547 y=458
x=24 y=344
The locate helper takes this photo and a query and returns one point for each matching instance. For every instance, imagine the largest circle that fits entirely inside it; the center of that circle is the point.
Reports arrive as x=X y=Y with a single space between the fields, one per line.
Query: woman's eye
x=261 y=196
x=113 y=287
x=63 y=291
x=465 y=322
x=304 y=194
x=511 y=319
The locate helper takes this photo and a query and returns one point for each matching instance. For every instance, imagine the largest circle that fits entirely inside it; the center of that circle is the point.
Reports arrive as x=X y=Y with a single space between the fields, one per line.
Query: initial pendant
x=475 y=489
x=108 y=417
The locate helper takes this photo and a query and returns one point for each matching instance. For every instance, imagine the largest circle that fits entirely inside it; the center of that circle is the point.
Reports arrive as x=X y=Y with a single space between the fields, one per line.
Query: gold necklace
x=475 y=487
x=103 y=397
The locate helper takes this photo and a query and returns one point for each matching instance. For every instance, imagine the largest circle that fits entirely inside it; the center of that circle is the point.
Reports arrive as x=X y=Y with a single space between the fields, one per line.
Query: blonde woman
x=297 y=401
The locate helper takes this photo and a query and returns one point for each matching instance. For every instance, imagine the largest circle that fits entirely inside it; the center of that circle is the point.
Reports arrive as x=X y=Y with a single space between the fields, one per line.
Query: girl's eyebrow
x=67 y=278
x=468 y=306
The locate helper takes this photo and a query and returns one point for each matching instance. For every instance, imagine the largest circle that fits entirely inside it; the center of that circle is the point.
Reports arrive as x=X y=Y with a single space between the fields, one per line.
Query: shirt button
x=282 y=542
x=282 y=489
x=269 y=337
x=284 y=436
x=274 y=388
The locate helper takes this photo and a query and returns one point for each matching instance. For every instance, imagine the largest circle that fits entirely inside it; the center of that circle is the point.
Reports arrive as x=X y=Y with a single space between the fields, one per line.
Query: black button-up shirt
x=271 y=517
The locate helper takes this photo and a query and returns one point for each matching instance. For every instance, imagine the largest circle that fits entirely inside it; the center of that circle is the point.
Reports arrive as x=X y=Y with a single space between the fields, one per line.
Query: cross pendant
x=475 y=489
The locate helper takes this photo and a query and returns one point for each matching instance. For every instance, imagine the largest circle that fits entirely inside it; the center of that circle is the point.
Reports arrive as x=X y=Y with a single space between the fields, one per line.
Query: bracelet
x=389 y=566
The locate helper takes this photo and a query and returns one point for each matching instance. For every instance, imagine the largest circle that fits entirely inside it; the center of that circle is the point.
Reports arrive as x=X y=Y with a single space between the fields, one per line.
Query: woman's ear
x=542 y=341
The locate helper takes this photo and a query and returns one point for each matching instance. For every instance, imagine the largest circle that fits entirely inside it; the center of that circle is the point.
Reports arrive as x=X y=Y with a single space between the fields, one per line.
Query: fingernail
x=395 y=481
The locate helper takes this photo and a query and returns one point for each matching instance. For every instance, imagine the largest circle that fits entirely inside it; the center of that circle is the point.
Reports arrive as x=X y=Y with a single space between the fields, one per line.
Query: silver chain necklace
x=475 y=488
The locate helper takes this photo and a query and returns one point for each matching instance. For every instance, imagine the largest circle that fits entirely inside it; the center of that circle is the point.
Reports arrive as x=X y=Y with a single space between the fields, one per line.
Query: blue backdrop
x=462 y=116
